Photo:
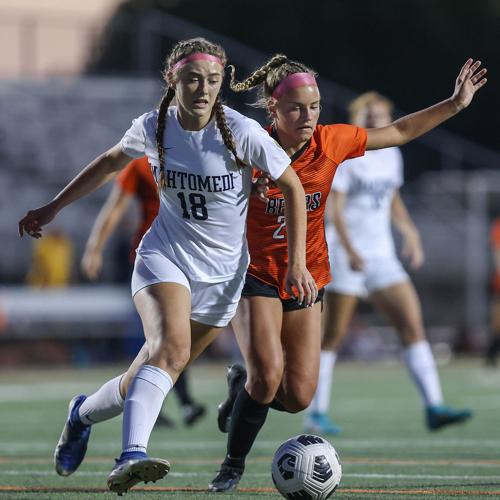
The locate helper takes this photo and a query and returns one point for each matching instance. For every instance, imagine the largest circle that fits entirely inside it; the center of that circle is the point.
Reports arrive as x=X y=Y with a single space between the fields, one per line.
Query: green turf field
x=385 y=450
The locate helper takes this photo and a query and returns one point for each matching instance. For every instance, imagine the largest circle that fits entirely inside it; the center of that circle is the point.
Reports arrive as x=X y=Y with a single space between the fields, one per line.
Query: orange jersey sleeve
x=342 y=142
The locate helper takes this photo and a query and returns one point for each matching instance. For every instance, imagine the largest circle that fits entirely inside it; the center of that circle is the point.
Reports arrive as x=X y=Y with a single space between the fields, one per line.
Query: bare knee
x=170 y=353
x=262 y=384
x=411 y=335
x=298 y=397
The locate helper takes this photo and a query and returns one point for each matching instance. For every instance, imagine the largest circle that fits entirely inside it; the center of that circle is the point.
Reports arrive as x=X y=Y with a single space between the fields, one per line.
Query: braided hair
x=181 y=50
x=268 y=77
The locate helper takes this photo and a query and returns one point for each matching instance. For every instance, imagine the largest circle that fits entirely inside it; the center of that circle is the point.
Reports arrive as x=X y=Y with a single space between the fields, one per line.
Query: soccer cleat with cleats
x=192 y=413
x=319 y=423
x=440 y=416
x=236 y=378
x=133 y=468
x=72 y=446
x=227 y=479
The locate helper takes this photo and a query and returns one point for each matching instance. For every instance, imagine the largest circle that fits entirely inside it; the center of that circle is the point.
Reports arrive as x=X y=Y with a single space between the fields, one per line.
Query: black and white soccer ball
x=306 y=467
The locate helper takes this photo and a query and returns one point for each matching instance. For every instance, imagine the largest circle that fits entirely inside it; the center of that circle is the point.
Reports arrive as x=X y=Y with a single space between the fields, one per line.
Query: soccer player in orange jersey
x=494 y=345
x=135 y=181
x=282 y=347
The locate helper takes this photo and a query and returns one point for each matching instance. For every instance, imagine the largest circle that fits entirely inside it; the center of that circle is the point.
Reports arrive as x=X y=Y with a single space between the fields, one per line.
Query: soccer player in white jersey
x=365 y=200
x=191 y=264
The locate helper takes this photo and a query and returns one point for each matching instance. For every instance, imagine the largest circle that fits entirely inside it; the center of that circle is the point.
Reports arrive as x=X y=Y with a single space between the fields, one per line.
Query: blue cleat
x=319 y=423
x=135 y=467
x=72 y=445
x=439 y=416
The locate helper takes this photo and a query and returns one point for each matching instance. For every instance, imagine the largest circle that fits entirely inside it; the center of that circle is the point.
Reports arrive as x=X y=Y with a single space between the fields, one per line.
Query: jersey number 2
x=282 y=224
x=198 y=206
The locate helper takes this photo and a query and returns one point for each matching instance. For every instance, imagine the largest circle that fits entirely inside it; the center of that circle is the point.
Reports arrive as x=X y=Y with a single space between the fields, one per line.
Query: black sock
x=247 y=418
x=182 y=391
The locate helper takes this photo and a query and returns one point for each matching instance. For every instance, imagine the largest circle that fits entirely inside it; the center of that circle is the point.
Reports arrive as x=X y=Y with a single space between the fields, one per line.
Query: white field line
x=465 y=477
x=60 y=391
x=340 y=407
x=417 y=443
x=346 y=462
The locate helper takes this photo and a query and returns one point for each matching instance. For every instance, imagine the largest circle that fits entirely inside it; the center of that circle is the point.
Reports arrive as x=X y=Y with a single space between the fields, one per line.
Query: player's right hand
x=355 y=261
x=301 y=285
x=91 y=264
x=34 y=220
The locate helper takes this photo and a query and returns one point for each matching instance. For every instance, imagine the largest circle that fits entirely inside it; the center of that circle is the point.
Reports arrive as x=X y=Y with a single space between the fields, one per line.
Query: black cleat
x=236 y=378
x=192 y=413
x=227 y=479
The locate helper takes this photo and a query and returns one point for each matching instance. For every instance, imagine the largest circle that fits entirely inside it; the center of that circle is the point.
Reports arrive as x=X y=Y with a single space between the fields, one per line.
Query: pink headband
x=294 y=81
x=197 y=56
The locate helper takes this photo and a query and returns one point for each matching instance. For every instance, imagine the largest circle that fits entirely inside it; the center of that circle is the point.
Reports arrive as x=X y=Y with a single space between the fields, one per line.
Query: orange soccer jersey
x=495 y=246
x=137 y=179
x=329 y=146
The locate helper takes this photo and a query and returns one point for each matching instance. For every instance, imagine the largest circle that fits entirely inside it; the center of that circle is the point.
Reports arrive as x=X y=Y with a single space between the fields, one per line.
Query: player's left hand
x=260 y=187
x=301 y=285
x=412 y=250
x=469 y=81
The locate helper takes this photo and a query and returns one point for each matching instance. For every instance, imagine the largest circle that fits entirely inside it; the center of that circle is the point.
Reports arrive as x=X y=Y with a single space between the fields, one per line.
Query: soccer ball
x=306 y=467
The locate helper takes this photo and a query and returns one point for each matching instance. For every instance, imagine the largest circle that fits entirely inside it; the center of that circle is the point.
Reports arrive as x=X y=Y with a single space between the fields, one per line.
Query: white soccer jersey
x=202 y=218
x=369 y=183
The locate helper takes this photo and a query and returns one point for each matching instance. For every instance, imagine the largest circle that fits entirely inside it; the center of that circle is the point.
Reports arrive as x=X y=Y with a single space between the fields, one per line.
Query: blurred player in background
x=365 y=199
x=494 y=344
x=282 y=345
x=190 y=265
x=51 y=261
x=135 y=181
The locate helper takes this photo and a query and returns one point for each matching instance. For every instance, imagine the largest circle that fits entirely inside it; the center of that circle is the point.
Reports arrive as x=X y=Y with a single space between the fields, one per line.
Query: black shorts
x=257 y=288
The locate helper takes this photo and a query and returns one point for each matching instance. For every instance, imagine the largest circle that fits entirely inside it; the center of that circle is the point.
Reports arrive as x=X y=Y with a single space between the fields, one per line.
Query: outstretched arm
x=469 y=81
x=296 y=227
x=110 y=215
x=89 y=179
x=412 y=246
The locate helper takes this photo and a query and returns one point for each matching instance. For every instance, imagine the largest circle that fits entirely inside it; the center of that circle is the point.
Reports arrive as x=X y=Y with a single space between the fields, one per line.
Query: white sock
x=321 y=399
x=145 y=397
x=104 y=404
x=420 y=363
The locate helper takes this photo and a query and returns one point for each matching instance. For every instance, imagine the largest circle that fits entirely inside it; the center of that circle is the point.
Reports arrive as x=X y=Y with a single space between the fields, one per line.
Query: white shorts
x=212 y=304
x=378 y=273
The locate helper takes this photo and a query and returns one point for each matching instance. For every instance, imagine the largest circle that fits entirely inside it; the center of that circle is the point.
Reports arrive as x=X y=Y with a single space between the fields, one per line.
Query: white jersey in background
x=202 y=218
x=369 y=183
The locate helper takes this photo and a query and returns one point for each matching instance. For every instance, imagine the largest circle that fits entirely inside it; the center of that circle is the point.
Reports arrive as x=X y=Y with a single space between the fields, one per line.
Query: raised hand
x=469 y=81
x=34 y=220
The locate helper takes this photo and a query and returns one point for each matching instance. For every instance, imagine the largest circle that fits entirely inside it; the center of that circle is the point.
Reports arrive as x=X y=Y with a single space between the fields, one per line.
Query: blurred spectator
x=494 y=344
x=52 y=260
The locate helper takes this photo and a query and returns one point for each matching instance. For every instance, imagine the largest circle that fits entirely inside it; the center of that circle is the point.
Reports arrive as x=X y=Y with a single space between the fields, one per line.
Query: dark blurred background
x=74 y=75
